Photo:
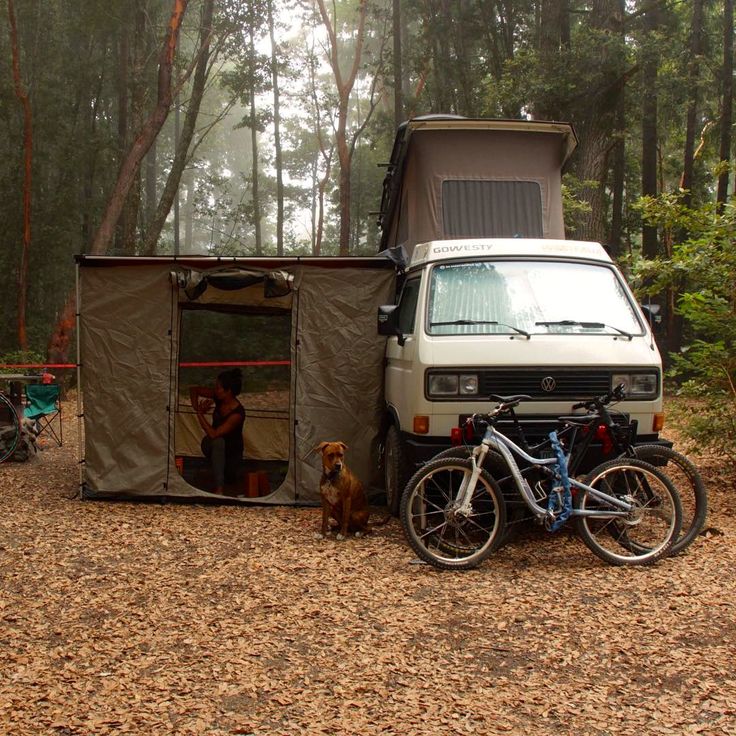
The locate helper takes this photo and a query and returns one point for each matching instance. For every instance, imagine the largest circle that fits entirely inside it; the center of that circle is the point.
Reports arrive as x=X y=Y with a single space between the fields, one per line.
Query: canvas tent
x=134 y=420
x=452 y=177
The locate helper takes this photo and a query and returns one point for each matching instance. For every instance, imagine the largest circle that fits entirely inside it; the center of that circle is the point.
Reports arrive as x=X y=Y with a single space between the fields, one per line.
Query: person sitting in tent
x=222 y=444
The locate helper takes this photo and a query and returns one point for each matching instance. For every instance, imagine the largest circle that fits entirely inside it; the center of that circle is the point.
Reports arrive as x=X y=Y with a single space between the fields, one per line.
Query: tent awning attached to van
x=137 y=419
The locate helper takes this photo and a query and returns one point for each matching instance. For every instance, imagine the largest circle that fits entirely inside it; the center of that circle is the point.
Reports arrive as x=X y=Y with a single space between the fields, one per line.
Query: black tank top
x=234 y=438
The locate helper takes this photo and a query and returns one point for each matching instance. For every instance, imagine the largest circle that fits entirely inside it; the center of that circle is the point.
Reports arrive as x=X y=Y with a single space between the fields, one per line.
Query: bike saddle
x=580 y=420
x=516 y=399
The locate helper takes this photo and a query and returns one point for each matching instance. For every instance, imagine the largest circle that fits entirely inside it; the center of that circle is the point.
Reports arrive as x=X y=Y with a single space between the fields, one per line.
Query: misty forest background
x=258 y=127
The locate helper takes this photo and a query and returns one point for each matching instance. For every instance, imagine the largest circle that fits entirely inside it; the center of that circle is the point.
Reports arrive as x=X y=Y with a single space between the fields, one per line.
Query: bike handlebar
x=507 y=403
x=618 y=393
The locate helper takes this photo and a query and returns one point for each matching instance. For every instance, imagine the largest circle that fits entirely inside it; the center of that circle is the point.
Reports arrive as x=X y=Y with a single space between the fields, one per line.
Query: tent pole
x=80 y=444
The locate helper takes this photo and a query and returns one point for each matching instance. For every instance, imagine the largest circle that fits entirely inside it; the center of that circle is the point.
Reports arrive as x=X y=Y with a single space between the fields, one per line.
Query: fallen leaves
x=123 y=618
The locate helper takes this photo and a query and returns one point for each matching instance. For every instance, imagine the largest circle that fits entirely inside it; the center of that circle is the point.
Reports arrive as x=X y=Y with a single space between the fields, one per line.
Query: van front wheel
x=394 y=469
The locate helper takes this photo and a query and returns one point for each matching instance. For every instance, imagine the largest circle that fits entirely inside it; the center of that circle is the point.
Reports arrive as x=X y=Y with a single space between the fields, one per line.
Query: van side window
x=492 y=209
x=408 y=306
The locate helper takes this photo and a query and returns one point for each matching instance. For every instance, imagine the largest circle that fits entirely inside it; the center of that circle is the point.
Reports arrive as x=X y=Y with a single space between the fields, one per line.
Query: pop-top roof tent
x=130 y=316
x=452 y=177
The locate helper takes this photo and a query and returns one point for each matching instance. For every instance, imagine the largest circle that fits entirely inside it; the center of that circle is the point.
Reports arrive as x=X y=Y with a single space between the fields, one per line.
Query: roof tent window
x=214 y=341
x=492 y=209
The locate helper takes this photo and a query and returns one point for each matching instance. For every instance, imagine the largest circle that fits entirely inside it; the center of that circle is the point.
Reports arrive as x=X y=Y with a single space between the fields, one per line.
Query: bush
x=700 y=271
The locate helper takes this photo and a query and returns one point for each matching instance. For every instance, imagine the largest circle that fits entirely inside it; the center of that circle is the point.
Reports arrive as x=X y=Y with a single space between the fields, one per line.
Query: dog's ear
x=320 y=447
x=343 y=445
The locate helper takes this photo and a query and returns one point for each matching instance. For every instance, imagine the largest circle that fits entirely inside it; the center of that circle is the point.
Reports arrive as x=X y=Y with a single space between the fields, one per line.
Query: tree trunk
x=189 y=212
x=254 y=147
x=181 y=154
x=649 y=138
x=618 y=174
x=696 y=43
x=618 y=181
x=597 y=112
x=146 y=136
x=122 y=80
x=726 y=103
x=138 y=92
x=151 y=175
x=398 y=73
x=59 y=342
x=277 y=136
x=344 y=86
x=25 y=102
x=592 y=168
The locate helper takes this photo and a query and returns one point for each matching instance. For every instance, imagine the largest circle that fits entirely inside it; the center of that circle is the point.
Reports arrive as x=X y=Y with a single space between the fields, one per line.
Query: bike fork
x=467 y=487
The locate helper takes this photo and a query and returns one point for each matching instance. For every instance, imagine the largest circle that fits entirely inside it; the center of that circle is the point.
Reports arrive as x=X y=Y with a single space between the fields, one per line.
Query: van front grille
x=545 y=384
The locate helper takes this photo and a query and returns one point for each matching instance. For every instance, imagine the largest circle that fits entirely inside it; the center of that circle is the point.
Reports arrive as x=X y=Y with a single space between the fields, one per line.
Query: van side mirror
x=652 y=313
x=388 y=322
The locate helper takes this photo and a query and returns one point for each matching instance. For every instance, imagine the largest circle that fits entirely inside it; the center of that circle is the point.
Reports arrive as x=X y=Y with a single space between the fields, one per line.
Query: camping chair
x=43 y=407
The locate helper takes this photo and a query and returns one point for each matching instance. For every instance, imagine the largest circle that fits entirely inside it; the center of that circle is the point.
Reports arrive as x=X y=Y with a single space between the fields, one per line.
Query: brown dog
x=343 y=497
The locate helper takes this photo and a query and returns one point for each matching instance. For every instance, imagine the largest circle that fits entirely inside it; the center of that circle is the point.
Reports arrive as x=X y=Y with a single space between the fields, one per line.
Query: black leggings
x=224 y=460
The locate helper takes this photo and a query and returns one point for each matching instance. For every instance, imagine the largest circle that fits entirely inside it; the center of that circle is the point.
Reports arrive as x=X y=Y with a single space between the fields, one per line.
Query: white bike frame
x=493 y=439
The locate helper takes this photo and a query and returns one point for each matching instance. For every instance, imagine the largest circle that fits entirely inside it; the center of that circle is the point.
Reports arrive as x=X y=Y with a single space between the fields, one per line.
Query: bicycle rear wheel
x=648 y=531
x=435 y=527
x=9 y=428
x=690 y=487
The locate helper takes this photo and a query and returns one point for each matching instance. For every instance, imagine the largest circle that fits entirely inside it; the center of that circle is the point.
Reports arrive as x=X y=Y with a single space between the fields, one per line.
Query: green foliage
x=573 y=203
x=19 y=357
x=701 y=264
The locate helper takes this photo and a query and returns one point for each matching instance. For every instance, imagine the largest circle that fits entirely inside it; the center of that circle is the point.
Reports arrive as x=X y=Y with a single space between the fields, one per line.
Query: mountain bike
x=601 y=434
x=626 y=511
x=9 y=428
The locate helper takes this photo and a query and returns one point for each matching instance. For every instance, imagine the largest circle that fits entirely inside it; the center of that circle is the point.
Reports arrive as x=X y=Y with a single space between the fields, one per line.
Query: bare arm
x=195 y=392
x=225 y=428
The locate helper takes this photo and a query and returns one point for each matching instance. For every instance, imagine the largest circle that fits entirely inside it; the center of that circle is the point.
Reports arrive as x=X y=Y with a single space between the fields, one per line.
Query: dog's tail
x=380 y=522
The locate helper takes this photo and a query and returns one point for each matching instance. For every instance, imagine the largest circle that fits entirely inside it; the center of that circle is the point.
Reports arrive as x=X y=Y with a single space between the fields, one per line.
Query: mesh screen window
x=492 y=209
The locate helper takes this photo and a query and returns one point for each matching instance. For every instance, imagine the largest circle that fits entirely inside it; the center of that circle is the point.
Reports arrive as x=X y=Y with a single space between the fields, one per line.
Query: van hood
x=573 y=351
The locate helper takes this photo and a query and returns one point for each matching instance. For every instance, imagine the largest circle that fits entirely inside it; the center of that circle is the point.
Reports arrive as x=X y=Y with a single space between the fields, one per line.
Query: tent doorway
x=254 y=343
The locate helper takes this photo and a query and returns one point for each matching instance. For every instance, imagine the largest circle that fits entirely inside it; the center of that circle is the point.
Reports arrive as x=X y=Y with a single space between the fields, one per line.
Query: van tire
x=394 y=469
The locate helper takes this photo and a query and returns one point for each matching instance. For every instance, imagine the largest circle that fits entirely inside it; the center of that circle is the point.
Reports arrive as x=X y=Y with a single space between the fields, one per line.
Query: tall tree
x=344 y=82
x=59 y=342
x=279 y=162
x=145 y=137
x=693 y=85
x=253 y=124
x=182 y=152
x=398 y=73
x=22 y=95
x=649 y=133
x=726 y=102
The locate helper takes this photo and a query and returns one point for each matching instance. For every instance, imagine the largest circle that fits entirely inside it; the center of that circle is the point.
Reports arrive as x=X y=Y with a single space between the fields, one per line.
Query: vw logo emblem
x=548 y=384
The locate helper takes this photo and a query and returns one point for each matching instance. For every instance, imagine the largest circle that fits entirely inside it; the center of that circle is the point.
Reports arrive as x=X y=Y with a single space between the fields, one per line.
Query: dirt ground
x=122 y=618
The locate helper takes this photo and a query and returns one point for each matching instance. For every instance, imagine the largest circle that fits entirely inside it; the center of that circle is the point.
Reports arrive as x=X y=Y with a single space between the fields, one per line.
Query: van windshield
x=528 y=297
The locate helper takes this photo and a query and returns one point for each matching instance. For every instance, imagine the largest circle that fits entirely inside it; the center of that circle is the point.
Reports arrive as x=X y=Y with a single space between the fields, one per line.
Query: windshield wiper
x=480 y=322
x=584 y=325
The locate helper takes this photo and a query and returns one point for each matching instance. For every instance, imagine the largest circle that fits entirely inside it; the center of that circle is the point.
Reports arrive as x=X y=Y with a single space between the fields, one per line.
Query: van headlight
x=468 y=384
x=637 y=385
x=452 y=384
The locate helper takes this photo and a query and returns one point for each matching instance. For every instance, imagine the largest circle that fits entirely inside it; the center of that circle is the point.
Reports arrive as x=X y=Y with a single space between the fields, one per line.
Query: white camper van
x=495 y=301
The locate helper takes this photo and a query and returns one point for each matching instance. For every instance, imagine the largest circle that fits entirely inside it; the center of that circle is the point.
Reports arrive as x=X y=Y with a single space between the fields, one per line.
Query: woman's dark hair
x=231 y=380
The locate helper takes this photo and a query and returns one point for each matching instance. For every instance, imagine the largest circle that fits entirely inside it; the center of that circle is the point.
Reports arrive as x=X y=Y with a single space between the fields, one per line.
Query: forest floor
x=143 y=618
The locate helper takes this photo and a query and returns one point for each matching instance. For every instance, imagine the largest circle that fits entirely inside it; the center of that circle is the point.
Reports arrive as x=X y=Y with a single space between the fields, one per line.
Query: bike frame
x=493 y=439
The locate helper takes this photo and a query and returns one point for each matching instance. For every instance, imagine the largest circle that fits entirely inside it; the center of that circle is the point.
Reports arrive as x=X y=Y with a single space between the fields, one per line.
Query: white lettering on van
x=470 y=248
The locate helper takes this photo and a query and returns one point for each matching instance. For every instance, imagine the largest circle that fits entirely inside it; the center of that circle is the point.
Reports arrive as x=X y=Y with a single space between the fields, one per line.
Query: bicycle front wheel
x=690 y=487
x=643 y=535
x=9 y=428
x=437 y=529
